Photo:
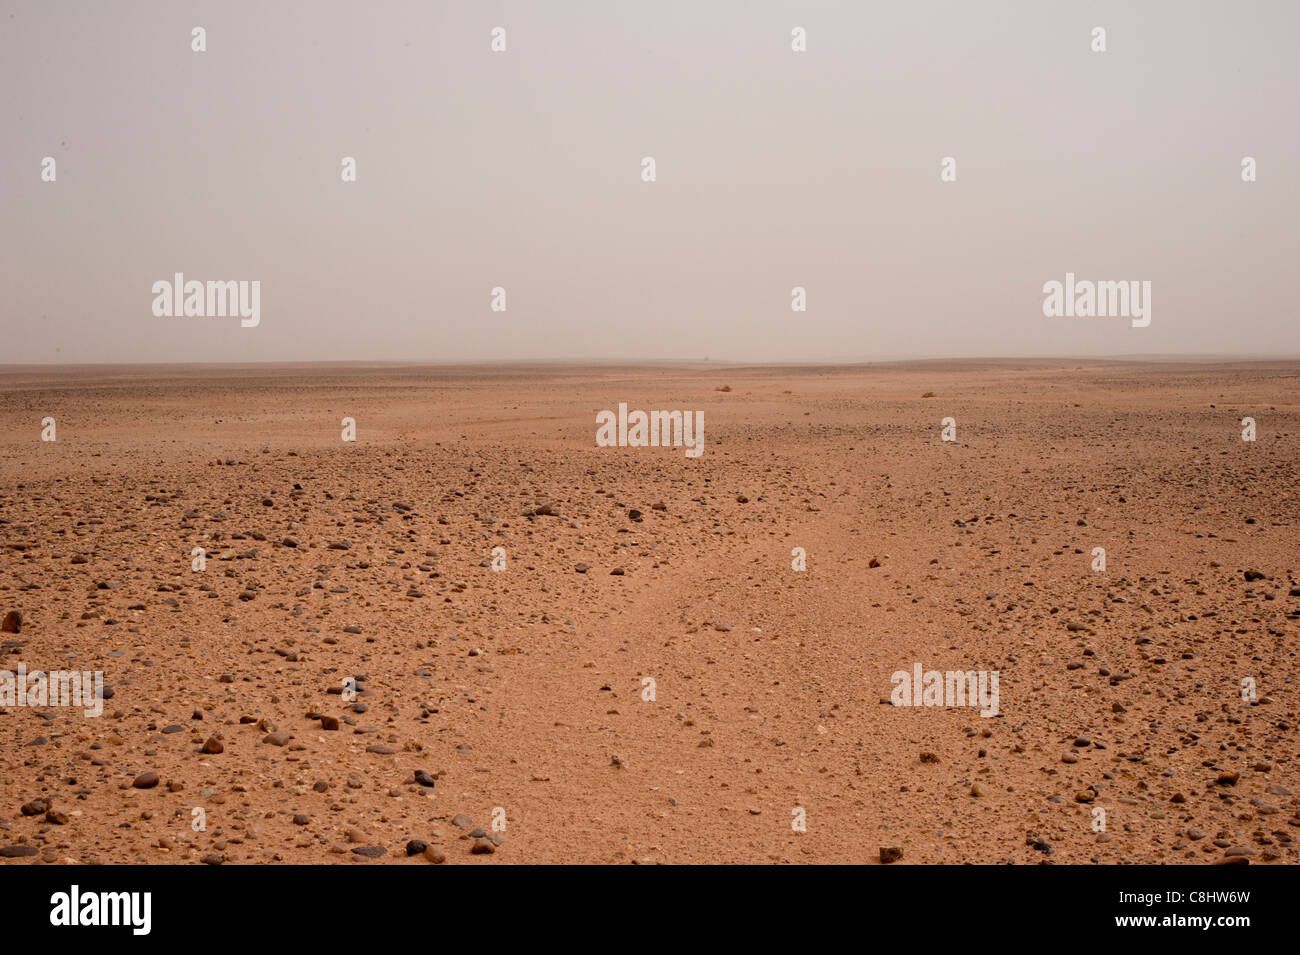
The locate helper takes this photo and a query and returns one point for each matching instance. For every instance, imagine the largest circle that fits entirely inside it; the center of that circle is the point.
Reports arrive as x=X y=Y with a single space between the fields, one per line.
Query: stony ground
x=519 y=697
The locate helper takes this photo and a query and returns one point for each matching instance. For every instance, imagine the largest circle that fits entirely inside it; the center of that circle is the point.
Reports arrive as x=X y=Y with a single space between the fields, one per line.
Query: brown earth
x=523 y=688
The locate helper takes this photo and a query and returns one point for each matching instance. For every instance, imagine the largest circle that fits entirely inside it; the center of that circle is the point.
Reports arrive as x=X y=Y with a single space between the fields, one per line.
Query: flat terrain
x=524 y=689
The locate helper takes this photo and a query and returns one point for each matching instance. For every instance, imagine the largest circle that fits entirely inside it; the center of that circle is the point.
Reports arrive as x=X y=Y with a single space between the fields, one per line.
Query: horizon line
x=652 y=362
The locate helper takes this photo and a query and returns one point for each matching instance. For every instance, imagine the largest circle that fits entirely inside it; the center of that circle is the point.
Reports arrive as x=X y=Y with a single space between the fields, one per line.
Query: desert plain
x=473 y=636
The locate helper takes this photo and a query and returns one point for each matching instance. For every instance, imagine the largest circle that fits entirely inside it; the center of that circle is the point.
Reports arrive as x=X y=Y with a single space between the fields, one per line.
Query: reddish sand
x=523 y=689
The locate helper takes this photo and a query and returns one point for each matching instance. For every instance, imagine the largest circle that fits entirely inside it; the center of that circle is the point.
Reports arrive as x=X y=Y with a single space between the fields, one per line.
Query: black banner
x=158 y=903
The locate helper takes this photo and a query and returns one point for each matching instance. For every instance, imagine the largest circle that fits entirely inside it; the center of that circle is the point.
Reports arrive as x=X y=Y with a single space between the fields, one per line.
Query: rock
x=278 y=738
x=36 y=807
x=482 y=846
x=583 y=568
x=56 y=818
x=301 y=819
x=977 y=790
x=145 y=780
x=213 y=745
x=18 y=852
x=424 y=778
x=1253 y=575
x=13 y=622
x=617 y=572
x=435 y=855
x=369 y=852
x=890 y=854
x=462 y=821
x=380 y=749
x=213 y=859
x=415 y=847
x=329 y=723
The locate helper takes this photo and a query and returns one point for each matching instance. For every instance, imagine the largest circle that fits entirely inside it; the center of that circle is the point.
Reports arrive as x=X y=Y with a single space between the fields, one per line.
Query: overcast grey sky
x=522 y=169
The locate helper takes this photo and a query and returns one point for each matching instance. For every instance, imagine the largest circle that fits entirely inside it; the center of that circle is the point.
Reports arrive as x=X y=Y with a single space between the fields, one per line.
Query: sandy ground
x=520 y=694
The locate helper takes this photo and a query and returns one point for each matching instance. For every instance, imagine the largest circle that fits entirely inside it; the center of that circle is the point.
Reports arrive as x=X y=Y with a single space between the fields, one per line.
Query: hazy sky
x=522 y=169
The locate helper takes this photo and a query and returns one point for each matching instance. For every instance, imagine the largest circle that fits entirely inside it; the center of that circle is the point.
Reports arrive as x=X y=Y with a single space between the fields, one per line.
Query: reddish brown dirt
x=523 y=688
